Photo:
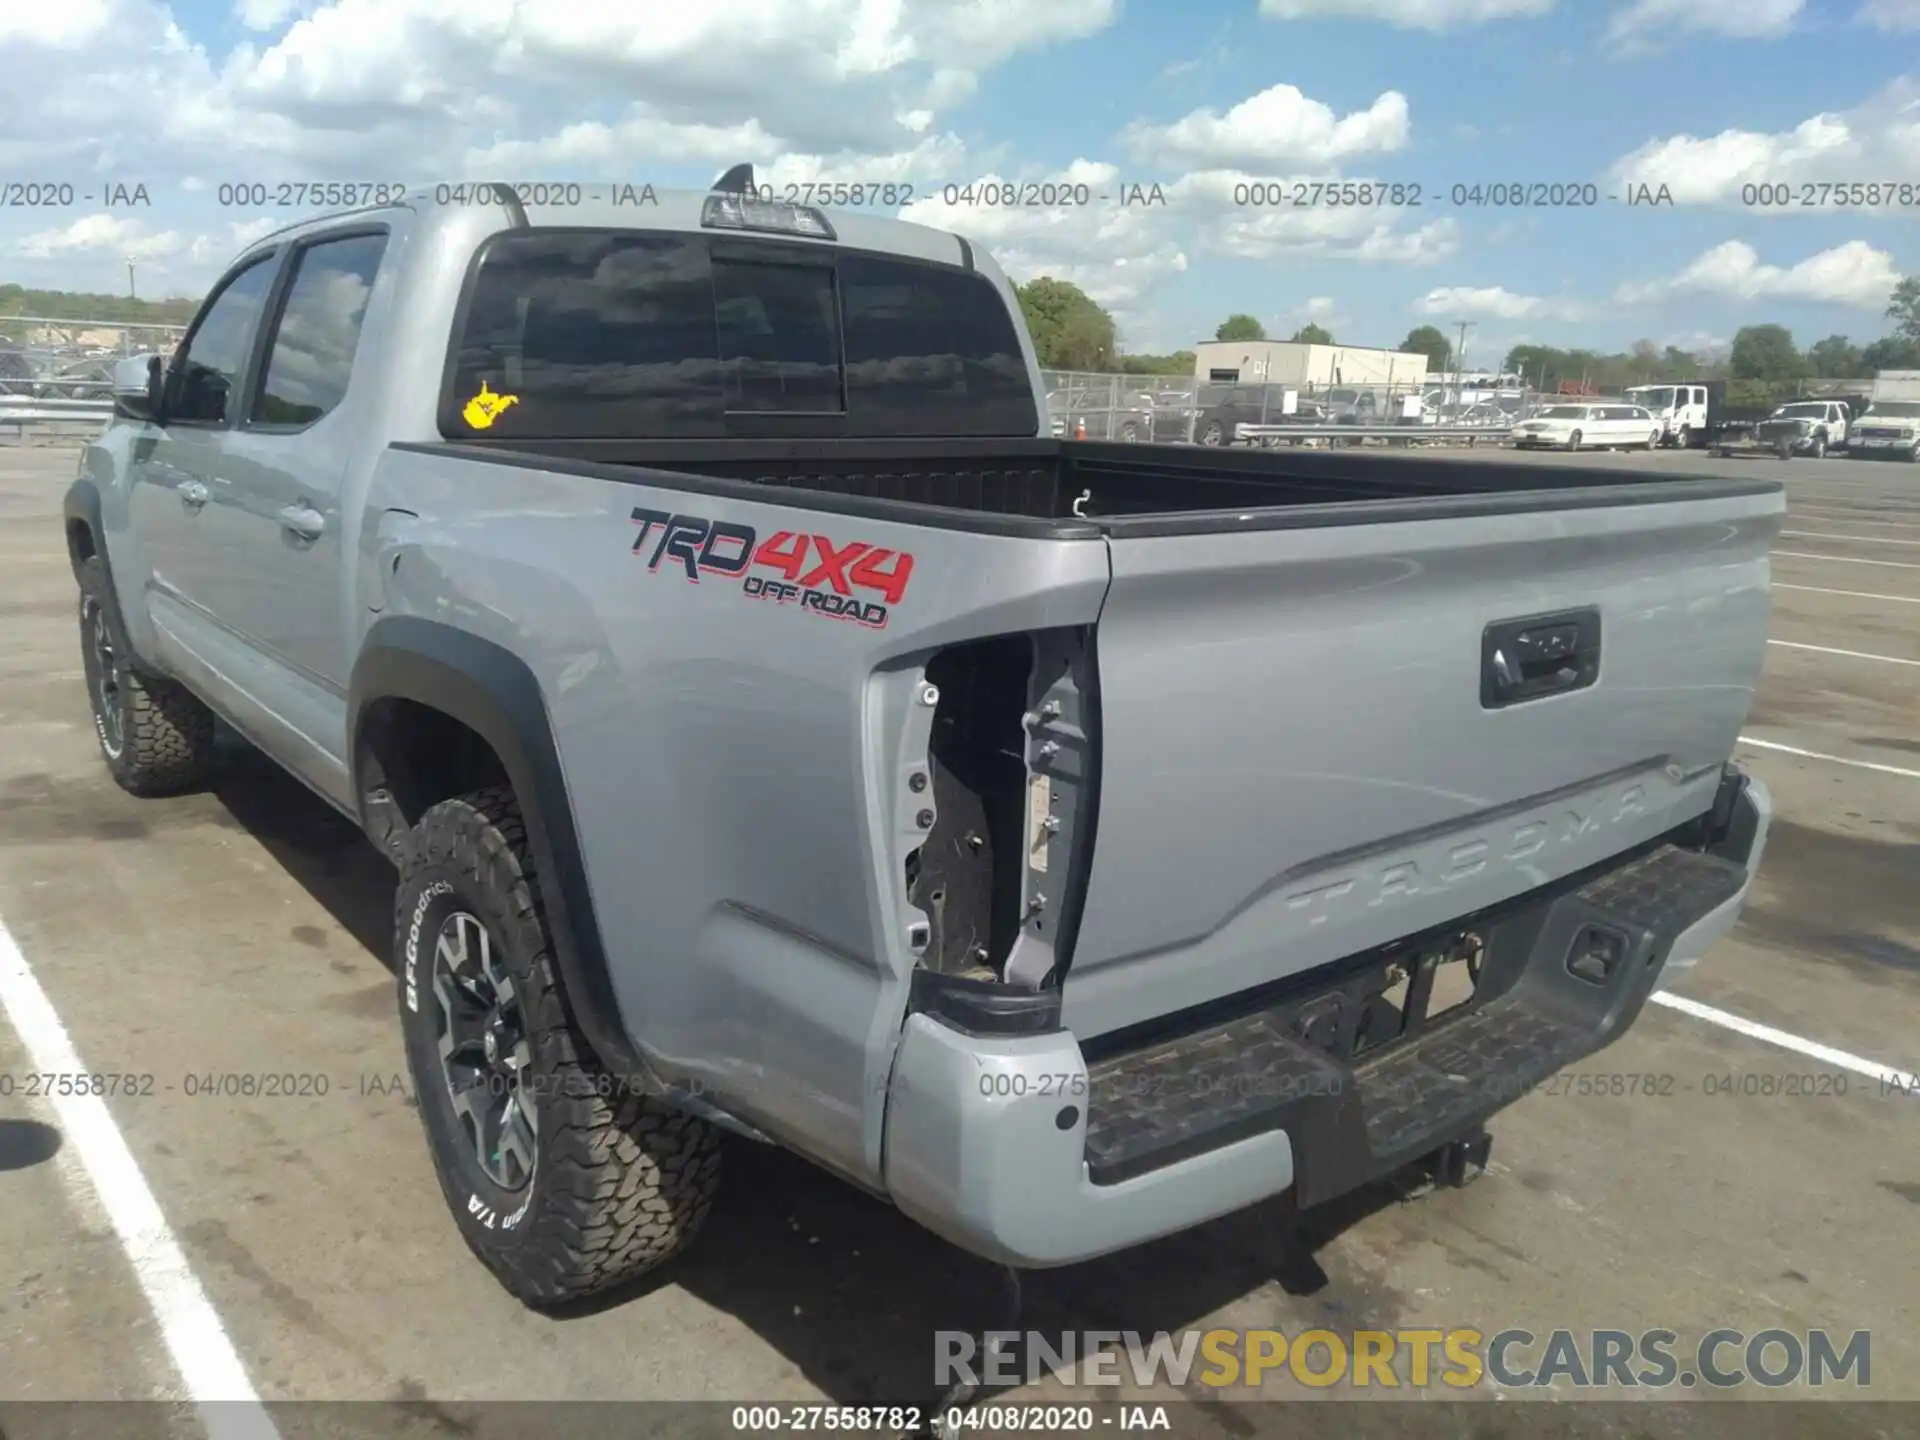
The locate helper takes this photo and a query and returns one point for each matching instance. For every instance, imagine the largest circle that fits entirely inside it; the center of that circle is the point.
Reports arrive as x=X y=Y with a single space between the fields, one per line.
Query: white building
x=1283 y=362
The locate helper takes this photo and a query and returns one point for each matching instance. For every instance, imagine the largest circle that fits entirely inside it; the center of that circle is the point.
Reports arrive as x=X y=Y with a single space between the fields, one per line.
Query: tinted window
x=203 y=384
x=779 y=337
x=618 y=334
x=588 y=334
x=318 y=330
x=931 y=351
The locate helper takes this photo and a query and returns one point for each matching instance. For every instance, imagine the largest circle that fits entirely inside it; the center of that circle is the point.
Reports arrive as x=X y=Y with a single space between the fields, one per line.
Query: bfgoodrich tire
x=562 y=1180
x=156 y=738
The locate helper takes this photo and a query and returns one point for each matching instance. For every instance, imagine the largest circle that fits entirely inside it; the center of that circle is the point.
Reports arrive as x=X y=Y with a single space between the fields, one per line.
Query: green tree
x=1070 y=331
x=1892 y=353
x=1180 y=362
x=1835 y=358
x=1240 y=327
x=1766 y=352
x=1428 y=341
x=1312 y=334
x=1904 y=309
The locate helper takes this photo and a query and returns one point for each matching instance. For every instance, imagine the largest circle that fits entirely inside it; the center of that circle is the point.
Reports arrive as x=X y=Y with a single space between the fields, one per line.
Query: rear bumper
x=1019 y=1150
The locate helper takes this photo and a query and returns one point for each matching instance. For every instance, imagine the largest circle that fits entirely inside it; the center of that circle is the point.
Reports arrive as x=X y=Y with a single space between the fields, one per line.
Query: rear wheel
x=1819 y=451
x=156 y=738
x=563 y=1180
x=1130 y=433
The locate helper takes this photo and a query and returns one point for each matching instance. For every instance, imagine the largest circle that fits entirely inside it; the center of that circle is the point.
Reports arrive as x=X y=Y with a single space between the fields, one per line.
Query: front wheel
x=1819 y=451
x=1684 y=440
x=1130 y=433
x=1573 y=442
x=1213 y=433
x=563 y=1179
x=156 y=737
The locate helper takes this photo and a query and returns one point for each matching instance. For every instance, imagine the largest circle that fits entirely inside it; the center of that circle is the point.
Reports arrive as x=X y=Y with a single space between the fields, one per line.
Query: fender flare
x=82 y=503
x=492 y=691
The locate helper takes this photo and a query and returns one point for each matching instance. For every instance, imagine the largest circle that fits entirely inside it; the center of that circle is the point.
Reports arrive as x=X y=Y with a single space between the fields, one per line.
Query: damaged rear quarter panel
x=732 y=753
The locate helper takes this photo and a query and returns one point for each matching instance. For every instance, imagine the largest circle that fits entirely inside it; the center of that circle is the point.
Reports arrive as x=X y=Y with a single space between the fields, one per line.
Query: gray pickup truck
x=776 y=731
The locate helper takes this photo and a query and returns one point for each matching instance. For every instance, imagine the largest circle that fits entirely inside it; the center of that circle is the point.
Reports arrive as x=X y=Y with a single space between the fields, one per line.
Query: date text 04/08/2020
x=1009 y=1419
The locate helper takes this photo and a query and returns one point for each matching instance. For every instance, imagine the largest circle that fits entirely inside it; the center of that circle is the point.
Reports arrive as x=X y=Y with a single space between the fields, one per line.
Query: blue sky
x=1203 y=99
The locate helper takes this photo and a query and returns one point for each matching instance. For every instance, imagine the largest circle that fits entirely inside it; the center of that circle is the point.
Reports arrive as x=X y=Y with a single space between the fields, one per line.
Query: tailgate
x=1323 y=737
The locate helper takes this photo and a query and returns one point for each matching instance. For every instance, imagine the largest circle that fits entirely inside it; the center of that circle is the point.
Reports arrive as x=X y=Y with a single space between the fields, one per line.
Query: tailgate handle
x=1538 y=656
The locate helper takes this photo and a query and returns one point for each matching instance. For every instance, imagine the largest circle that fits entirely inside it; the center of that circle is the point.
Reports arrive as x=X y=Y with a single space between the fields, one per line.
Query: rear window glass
x=779 y=337
x=605 y=334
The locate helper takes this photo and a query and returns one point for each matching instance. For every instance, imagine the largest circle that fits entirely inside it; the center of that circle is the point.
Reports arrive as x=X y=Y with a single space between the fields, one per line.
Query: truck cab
x=1679 y=409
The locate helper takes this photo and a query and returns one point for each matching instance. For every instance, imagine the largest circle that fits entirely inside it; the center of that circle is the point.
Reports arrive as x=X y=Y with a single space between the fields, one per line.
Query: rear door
x=1308 y=747
x=285 y=460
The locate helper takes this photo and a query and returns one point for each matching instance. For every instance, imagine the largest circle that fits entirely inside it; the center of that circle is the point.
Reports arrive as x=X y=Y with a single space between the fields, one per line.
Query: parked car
x=693 y=606
x=1127 y=417
x=1805 y=427
x=1224 y=410
x=1889 y=430
x=1591 y=427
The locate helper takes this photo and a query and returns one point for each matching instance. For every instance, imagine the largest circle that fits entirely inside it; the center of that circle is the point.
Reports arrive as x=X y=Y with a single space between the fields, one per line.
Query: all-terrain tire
x=620 y=1184
x=156 y=737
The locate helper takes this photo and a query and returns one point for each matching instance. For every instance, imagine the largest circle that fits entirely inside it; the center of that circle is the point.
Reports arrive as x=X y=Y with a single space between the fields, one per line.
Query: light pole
x=131 y=293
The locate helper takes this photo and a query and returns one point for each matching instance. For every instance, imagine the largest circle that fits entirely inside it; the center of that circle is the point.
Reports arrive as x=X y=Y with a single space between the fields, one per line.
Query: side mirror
x=136 y=388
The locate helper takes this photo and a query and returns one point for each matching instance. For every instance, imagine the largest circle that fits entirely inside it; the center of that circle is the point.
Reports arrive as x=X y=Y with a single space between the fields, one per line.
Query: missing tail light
x=995 y=885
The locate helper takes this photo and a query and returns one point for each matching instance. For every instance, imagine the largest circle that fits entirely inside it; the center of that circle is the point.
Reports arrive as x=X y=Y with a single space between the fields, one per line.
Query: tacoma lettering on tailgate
x=810 y=571
x=1390 y=878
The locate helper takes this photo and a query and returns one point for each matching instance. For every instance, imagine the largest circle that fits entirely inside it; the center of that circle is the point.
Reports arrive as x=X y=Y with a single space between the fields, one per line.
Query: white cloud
x=123 y=237
x=266 y=14
x=61 y=26
x=1891 y=14
x=1280 y=124
x=1658 y=20
x=1499 y=303
x=351 y=85
x=1877 y=141
x=1854 y=274
x=1409 y=14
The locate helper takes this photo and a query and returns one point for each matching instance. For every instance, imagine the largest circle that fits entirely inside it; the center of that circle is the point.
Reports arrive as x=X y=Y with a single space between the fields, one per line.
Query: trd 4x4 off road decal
x=811 y=571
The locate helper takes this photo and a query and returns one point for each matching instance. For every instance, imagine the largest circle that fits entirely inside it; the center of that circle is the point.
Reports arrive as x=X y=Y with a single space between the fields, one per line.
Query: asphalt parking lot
x=244 y=931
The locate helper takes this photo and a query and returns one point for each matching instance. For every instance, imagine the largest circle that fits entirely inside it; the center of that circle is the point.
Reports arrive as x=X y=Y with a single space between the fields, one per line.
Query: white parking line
x=1890 y=1077
x=1850 y=654
x=1848 y=515
x=210 y=1368
x=1848 y=560
x=1831 y=759
x=1856 y=539
x=1856 y=594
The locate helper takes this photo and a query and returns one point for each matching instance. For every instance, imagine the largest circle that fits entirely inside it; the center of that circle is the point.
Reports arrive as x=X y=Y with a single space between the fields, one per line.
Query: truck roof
x=624 y=205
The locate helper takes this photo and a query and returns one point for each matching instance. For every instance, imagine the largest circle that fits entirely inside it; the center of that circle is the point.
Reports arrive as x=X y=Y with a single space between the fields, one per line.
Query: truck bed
x=1134 y=489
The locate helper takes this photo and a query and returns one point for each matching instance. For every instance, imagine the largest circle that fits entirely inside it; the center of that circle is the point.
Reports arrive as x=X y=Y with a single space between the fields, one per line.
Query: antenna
x=737 y=181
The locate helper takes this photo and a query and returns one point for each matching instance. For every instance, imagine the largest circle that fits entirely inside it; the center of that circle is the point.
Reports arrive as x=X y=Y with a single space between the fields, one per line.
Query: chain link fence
x=45 y=358
x=1181 y=409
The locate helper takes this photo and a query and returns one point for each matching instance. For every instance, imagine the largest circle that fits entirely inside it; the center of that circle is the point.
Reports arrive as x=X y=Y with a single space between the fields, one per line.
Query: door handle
x=1541 y=655
x=303 y=520
x=193 y=493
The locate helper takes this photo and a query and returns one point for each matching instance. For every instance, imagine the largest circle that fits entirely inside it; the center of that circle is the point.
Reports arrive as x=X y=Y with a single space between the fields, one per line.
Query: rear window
x=623 y=334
